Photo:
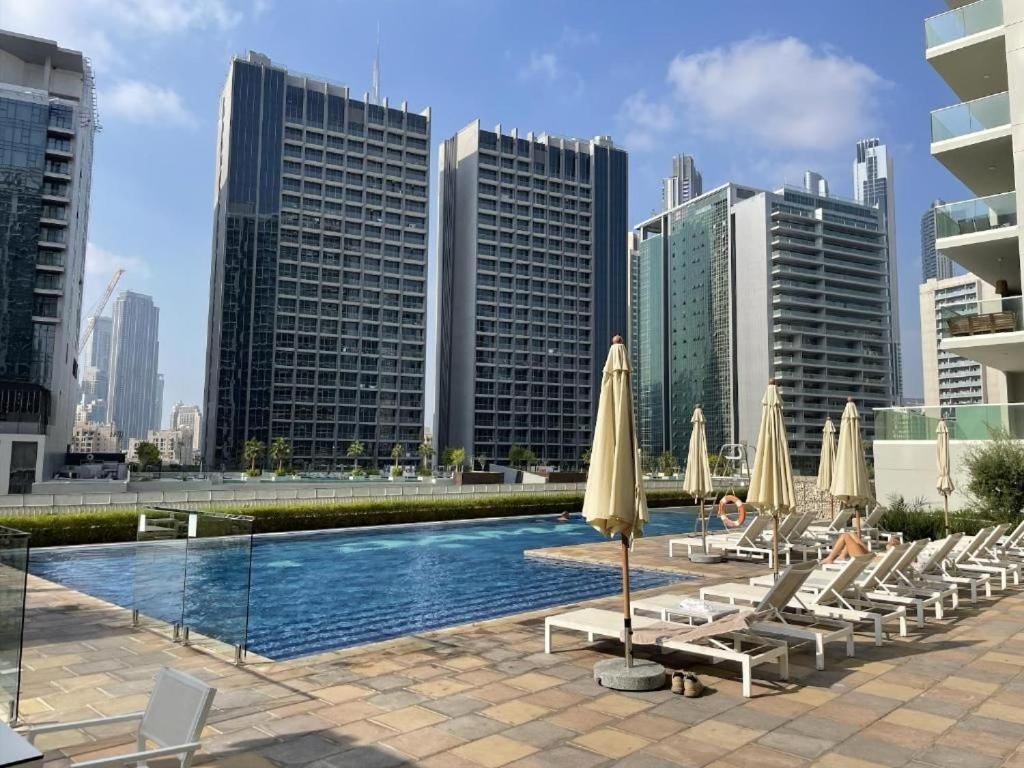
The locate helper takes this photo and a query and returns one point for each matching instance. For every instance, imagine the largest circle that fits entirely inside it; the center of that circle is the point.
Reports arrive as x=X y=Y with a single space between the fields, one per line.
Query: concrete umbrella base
x=710 y=557
x=644 y=675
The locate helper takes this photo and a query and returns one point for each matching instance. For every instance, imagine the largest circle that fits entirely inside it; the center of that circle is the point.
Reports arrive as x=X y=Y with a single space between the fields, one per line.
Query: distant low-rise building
x=188 y=417
x=175 y=446
x=95 y=438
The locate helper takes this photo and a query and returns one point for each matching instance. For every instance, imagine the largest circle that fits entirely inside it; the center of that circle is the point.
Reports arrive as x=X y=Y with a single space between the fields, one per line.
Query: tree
x=458 y=457
x=355 y=450
x=482 y=460
x=667 y=463
x=586 y=458
x=253 y=453
x=280 y=451
x=148 y=454
x=426 y=452
x=446 y=457
x=396 y=452
x=517 y=456
x=996 y=469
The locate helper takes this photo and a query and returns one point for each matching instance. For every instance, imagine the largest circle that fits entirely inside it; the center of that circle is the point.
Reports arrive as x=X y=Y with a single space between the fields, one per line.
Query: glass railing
x=997 y=315
x=13 y=571
x=979 y=215
x=965 y=422
x=963 y=21
x=971 y=116
x=192 y=572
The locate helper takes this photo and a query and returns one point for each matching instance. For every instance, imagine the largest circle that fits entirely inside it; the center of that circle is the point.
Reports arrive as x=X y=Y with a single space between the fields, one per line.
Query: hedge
x=116 y=525
x=916 y=521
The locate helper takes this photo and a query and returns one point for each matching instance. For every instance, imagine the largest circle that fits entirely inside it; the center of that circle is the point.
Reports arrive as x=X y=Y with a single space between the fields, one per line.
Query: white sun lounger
x=751 y=534
x=900 y=590
x=838 y=599
x=978 y=557
x=744 y=648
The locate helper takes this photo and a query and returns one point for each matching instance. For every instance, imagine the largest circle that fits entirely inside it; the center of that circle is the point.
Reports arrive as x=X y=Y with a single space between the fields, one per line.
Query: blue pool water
x=319 y=591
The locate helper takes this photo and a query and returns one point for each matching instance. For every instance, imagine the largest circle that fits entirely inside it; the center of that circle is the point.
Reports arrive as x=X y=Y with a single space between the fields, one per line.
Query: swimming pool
x=320 y=591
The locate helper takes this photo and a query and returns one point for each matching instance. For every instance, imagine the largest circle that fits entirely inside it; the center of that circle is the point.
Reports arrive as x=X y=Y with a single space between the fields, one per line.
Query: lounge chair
x=900 y=589
x=931 y=569
x=977 y=557
x=751 y=534
x=836 y=599
x=835 y=527
x=745 y=648
x=173 y=719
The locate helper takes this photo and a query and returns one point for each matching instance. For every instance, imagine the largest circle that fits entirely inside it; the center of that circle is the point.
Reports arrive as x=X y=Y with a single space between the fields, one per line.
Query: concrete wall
x=6 y=441
x=907 y=468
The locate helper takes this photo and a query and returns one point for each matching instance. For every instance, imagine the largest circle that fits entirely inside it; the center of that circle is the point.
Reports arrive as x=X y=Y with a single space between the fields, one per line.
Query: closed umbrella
x=850 y=483
x=771 y=482
x=697 y=479
x=827 y=461
x=944 y=485
x=614 y=501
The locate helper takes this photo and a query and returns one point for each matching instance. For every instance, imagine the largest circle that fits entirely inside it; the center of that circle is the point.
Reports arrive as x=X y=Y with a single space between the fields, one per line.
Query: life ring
x=741 y=516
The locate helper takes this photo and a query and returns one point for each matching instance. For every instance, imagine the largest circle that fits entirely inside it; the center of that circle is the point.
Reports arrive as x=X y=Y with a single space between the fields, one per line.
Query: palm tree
x=458 y=457
x=355 y=450
x=426 y=452
x=280 y=450
x=253 y=453
x=586 y=458
x=396 y=452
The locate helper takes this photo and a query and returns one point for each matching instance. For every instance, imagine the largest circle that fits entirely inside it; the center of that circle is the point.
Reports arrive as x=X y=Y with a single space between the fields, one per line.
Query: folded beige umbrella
x=771 y=482
x=850 y=483
x=827 y=461
x=614 y=501
x=697 y=479
x=944 y=485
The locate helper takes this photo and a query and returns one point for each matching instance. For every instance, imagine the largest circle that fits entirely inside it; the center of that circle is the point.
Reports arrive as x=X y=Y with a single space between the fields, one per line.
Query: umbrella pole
x=775 y=545
x=627 y=620
x=704 y=528
x=857 y=511
x=945 y=505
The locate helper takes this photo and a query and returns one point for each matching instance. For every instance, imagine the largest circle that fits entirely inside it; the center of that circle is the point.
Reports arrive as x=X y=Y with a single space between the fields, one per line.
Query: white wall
x=6 y=441
x=907 y=468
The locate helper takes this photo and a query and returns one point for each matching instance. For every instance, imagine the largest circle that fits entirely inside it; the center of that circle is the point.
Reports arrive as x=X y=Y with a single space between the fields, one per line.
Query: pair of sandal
x=687 y=684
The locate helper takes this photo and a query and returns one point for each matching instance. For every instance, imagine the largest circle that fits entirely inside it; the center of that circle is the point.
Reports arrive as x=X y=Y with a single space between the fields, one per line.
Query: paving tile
x=540 y=733
x=336 y=694
x=618 y=705
x=949 y=757
x=458 y=704
x=1001 y=712
x=409 y=718
x=797 y=743
x=579 y=719
x=515 y=712
x=610 y=742
x=473 y=726
x=834 y=760
x=923 y=721
x=561 y=757
x=533 y=681
x=424 y=742
x=494 y=751
x=300 y=751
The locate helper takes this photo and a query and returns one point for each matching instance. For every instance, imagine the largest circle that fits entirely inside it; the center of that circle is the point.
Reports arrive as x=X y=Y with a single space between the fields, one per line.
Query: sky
x=757 y=92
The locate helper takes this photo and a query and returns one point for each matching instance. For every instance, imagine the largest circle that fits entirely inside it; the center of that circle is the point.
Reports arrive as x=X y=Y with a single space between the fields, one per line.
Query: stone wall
x=808 y=497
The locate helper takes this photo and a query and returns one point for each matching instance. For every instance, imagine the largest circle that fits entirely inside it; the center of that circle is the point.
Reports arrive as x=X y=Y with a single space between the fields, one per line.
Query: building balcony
x=982 y=236
x=965 y=422
x=990 y=332
x=972 y=140
x=967 y=47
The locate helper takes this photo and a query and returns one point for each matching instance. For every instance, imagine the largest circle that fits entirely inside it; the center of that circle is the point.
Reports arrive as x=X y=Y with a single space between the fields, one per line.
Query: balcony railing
x=965 y=422
x=998 y=315
x=963 y=21
x=971 y=116
x=979 y=215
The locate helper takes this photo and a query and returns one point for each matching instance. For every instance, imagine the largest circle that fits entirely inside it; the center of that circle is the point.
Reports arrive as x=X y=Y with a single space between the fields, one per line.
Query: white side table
x=16 y=751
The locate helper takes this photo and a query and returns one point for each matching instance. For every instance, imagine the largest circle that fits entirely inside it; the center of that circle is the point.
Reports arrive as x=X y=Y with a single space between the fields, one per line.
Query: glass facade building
x=135 y=388
x=533 y=285
x=318 y=287
x=47 y=124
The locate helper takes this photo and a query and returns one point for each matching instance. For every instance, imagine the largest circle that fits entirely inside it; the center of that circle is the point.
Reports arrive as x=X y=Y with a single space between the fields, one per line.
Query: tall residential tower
x=47 y=125
x=533 y=285
x=684 y=184
x=317 y=319
x=933 y=264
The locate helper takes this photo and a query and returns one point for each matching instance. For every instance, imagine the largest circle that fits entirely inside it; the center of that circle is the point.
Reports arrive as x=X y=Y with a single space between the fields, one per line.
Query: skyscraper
x=135 y=352
x=95 y=364
x=684 y=184
x=873 y=185
x=741 y=285
x=317 y=317
x=47 y=124
x=933 y=263
x=533 y=283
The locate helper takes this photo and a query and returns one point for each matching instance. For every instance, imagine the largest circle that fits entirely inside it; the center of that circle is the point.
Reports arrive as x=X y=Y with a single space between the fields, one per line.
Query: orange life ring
x=727 y=521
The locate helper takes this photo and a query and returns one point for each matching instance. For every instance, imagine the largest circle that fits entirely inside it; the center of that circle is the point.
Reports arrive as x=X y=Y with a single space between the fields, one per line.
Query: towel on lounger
x=667 y=631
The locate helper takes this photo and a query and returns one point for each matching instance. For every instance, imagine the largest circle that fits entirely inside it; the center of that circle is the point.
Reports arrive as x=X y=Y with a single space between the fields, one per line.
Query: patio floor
x=486 y=695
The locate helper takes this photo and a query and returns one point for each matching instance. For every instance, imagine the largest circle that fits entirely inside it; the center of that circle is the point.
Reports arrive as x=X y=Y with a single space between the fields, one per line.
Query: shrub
x=996 y=468
x=916 y=521
x=102 y=527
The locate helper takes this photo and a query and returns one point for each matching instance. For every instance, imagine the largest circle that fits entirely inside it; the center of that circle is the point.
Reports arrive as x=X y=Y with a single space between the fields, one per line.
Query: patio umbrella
x=944 y=485
x=827 y=462
x=771 y=482
x=850 y=483
x=614 y=501
x=697 y=479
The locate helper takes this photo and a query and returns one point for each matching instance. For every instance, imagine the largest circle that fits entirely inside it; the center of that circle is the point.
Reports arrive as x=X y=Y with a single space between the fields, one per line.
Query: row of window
x=319 y=109
x=410 y=255
x=522 y=194
x=353 y=272
x=337 y=141
x=372 y=231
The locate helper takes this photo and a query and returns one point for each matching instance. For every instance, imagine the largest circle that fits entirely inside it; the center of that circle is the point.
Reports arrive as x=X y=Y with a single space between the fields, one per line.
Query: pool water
x=319 y=591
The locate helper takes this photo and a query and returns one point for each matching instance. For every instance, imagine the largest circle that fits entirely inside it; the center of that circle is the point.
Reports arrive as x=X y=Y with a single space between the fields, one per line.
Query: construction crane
x=97 y=309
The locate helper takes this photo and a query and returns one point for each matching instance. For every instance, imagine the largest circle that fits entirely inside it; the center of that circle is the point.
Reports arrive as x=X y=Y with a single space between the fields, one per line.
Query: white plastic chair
x=173 y=720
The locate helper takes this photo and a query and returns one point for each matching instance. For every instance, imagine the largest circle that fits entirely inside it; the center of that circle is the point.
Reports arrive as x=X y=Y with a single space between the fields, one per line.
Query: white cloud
x=141 y=102
x=646 y=121
x=578 y=37
x=541 y=66
x=777 y=92
x=101 y=263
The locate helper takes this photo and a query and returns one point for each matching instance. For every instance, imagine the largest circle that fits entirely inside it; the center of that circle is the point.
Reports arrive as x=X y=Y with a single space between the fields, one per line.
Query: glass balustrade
x=965 y=422
x=971 y=116
x=981 y=214
x=963 y=21
x=996 y=315
x=13 y=571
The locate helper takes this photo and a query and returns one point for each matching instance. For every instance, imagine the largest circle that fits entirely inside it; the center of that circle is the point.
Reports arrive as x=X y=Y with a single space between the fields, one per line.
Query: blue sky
x=756 y=91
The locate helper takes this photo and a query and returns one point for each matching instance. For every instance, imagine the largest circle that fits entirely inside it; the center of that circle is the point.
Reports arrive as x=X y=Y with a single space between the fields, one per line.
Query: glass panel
x=996 y=315
x=965 y=422
x=978 y=215
x=963 y=21
x=970 y=116
x=13 y=570
x=217 y=577
x=159 y=583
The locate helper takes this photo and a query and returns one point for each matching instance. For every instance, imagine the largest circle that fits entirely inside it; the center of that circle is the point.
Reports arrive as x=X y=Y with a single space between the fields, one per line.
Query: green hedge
x=917 y=521
x=115 y=525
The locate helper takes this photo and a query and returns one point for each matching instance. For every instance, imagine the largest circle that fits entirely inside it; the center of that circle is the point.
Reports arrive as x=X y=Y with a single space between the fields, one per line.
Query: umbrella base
x=644 y=675
x=700 y=557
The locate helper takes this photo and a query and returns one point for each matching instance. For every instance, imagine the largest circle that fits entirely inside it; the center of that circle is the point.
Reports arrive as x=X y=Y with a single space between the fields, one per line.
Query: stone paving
x=485 y=695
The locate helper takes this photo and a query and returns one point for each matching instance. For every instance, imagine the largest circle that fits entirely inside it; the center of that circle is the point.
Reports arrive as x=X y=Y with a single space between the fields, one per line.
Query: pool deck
x=485 y=695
